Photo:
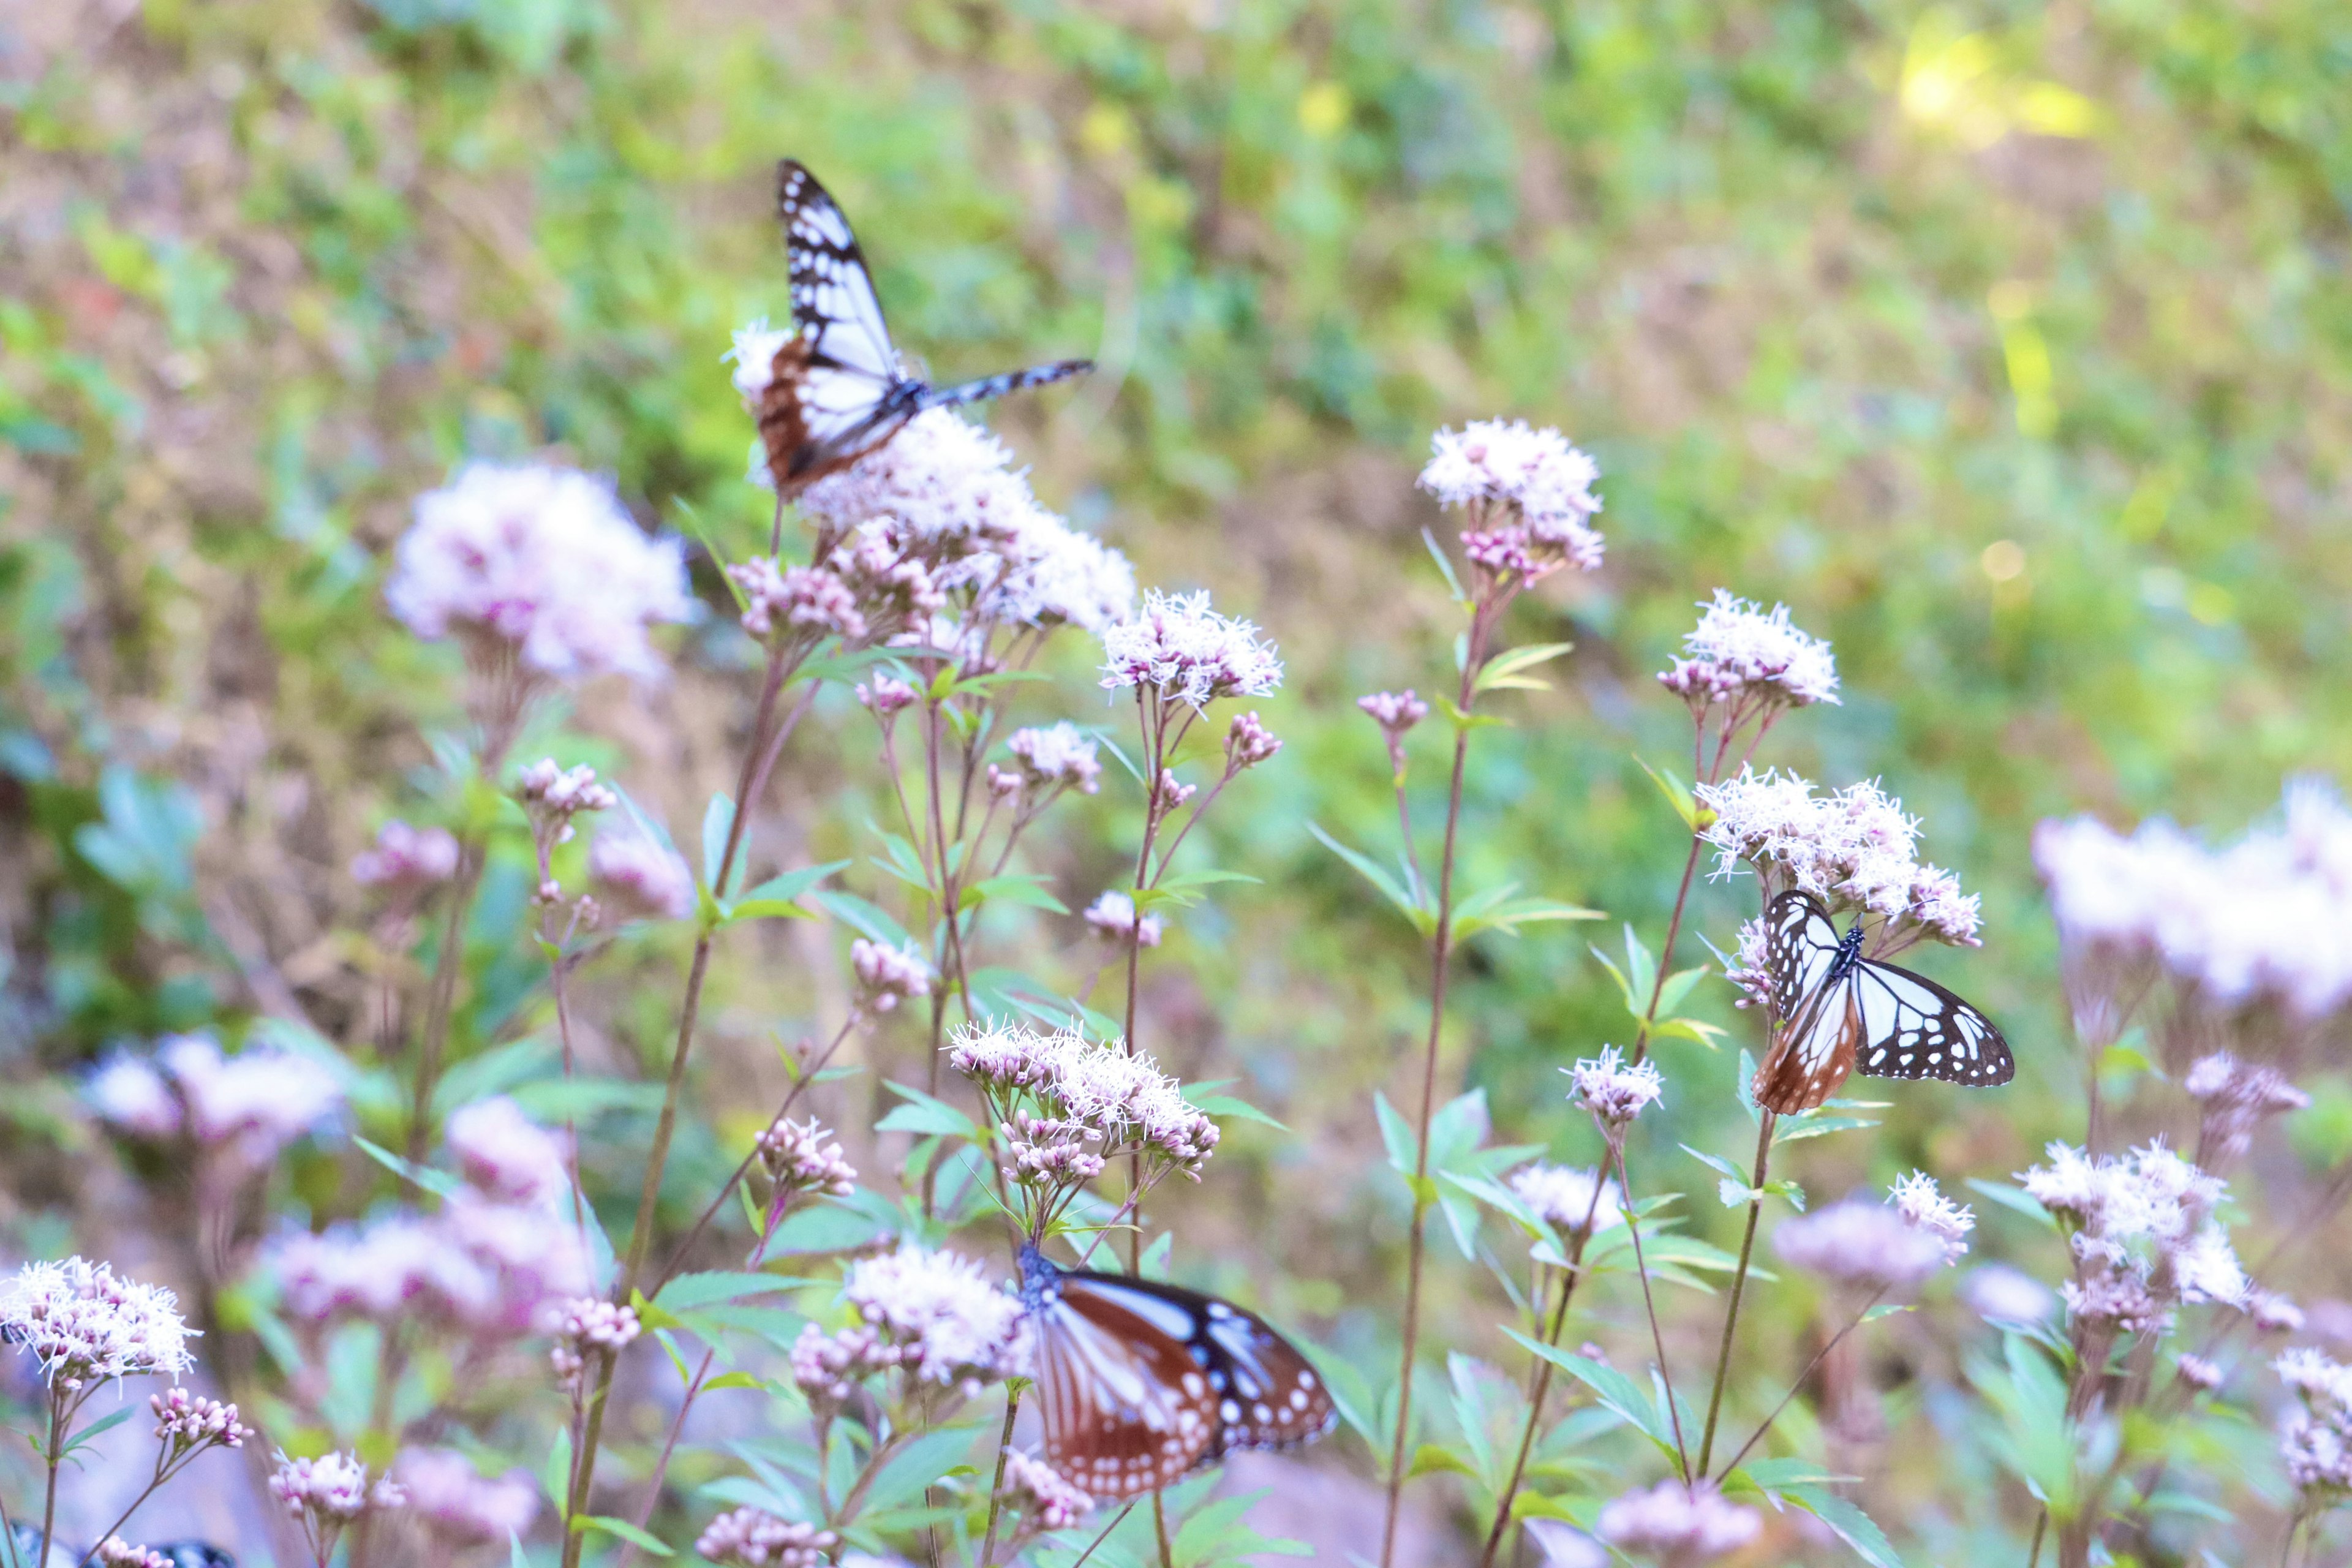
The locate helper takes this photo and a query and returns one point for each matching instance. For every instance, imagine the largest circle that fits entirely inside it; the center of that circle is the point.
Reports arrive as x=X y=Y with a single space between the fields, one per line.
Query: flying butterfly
x=1835 y=1011
x=838 y=390
x=1142 y=1382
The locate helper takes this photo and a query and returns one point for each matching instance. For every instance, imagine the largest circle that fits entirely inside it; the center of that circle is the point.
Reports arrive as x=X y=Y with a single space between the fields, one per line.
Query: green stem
x=1738 y=1287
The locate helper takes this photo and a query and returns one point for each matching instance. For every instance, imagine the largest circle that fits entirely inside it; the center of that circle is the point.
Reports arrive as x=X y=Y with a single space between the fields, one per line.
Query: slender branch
x=1098 y=1540
x=670 y=1448
x=1650 y=1305
x=443 y=998
x=1820 y=1356
x=996 y=1489
x=1738 y=1287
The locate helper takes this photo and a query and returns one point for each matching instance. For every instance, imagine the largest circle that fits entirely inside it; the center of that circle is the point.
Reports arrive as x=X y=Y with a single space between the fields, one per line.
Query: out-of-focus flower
x=2199 y=1374
x=405 y=858
x=749 y=1538
x=754 y=358
x=1612 y=1088
x=545 y=560
x=1113 y=914
x=1570 y=1200
x=2273 y=1313
x=186 y=1421
x=1865 y=1244
x=2316 y=1442
x=460 y=1504
x=799 y=1157
x=1395 y=712
x=1851 y=849
x=939 y=1310
x=589 y=1324
x=2144 y=1235
x=1049 y=1501
x=2237 y=1097
x=1749 y=968
x=1923 y=1205
x=116 y=1553
x=331 y=1490
x=1050 y=573
x=1739 y=653
x=130 y=1096
x=640 y=878
x=84 y=1324
x=811 y=601
x=556 y=794
x=1056 y=756
x=826 y=1367
x=258 y=1101
x=2000 y=1294
x=888 y=975
x=941 y=478
x=1678 y=1526
x=1183 y=651
x=885 y=696
x=505 y=1153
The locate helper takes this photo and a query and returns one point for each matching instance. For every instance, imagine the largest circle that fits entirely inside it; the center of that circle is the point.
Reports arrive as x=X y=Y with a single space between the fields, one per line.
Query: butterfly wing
x=1913 y=1027
x=994 y=387
x=1126 y=1410
x=834 y=302
x=1799 y=946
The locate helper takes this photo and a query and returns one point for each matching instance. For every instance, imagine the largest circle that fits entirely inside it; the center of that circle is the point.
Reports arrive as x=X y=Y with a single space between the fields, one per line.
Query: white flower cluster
x=254 y=1103
x=1056 y=756
x=331 y=1492
x=1880 y=1247
x=546 y=560
x=1545 y=483
x=1183 y=651
x=1854 y=847
x=2315 y=1441
x=1739 y=653
x=1113 y=914
x=458 y=1503
x=750 y=1538
x=85 y=1324
x=1567 y=1198
x=1124 y=1100
x=1612 y=1088
x=1679 y=1525
x=938 y=1309
x=2144 y=1235
x=1048 y=1502
x=2269 y=917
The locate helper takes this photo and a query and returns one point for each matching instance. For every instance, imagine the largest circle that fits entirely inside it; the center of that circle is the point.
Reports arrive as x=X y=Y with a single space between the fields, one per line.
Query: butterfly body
x=1835 y=1011
x=1142 y=1382
x=838 y=390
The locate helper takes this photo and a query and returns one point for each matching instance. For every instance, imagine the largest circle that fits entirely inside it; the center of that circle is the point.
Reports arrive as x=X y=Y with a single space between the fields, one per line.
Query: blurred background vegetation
x=2009 y=344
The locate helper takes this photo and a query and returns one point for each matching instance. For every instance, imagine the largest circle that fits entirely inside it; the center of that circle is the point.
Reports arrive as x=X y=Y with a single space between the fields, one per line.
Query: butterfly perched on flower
x=1835 y=1011
x=838 y=390
x=1142 y=1382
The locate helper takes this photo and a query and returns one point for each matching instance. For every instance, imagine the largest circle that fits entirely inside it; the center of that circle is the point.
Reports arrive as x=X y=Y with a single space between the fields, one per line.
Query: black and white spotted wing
x=1142 y=1383
x=1831 y=1003
x=837 y=391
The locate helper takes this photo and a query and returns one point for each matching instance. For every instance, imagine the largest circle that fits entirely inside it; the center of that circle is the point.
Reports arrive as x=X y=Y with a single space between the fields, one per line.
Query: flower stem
x=996 y=1490
x=443 y=998
x=1738 y=1287
x=49 y=1452
x=1650 y=1306
x=1819 y=1356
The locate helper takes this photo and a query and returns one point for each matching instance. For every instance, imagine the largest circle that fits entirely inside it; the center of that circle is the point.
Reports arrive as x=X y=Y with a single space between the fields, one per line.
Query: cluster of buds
x=2315 y=1441
x=188 y=1424
x=1171 y=791
x=327 y=1495
x=1614 y=1089
x=888 y=975
x=1050 y=1152
x=798 y=1158
x=1750 y=663
x=1526 y=492
x=751 y=1537
x=552 y=796
x=827 y=1367
x=116 y=1553
x=1395 y=712
x=796 y=600
x=893 y=585
x=2237 y=1097
x=1051 y=758
x=1248 y=742
x=886 y=697
x=1046 y=1501
x=589 y=1325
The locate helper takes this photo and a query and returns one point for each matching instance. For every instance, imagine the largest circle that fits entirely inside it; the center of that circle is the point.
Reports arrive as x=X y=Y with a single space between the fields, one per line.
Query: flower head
x=888 y=975
x=1546 y=482
x=85 y=1324
x=1851 y=849
x=588 y=1325
x=2316 y=1442
x=506 y=1154
x=1614 y=1089
x=2000 y=1294
x=1867 y=1244
x=1569 y=1200
x=130 y=1097
x=1183 y=651
x=1923 y=1206
x=1737 y=653
x=2238 y=1098
x=406 y=858
x=941 y=1312
x=1113 y=914
x=329 y=1491
x=116 y=1553
x=754 y=358
x=799 y=1156
x=1056 y=756
x=803 y=601
x=940 y=477
x=640 y=877
x=254 y=1103
x=750 y=1538
x=556 y=794
x=186 y=1421
x=1249 y=742
x=1395 y=712
x=458 y=1503
x=542 y=559
x=1122 y=1101
x=1678 y=1526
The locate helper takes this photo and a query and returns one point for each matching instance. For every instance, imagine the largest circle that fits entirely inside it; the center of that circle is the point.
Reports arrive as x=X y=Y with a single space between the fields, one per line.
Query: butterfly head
x=1041 y=1277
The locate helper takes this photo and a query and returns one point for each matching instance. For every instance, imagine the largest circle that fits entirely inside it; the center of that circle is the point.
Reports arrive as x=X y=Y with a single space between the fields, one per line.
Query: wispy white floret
x=1923 y=1205
x=1185 y=652
x=261 y=1099
x=1122 y=1098
x=754 y=357
x=544 y=558
x=1612 y=1088
x=1509 y=462
x=941 y=477
x=1057 y=756
x=1854 y=848
x=939 y=1309
x=83 y=1324
x=1678 y=1526
x=1567 y=1198
x=1739 y=651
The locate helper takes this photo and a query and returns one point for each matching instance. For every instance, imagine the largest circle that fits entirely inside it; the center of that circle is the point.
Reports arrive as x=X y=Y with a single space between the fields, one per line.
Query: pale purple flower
x=1395 y=712
x=1113 y=914
x=1854 y=847
x=799 y=1156
x=754 y=358
x=130 y=1097
x=888 y=975
x=2117 y=1299
x=1567 y=1198
x=750 y=1538
x=406 y=858
x=1249 y=742
x=484 y=1269
x=2238 y=1097
x=116 y=1553
x=545 y=560
x=1749 y=968
x=941 y=478
x=557 y=795
x=186 y=1421
x=1739 y=652
x=2199 y=1374
x=2316 y=1441
x=803 y=600
x=1049 y=1501
x=641 y=878
x=457 y=1502
x=1183 y=651
x=827 y=1367
x=330 y=1491
x=1056 y=756
x=83 y=1324
x=261 y=1099
x=1612 y=1088
x=1921 y=1204
x=2000 y=1294
x=1050 y=573
x=1535 y=473
x=1868 y=1246
x=885 y=696
x=506 y=1154
x=939 y=1307
x=1122 y=1099
x=1172 y=791
x=588 y=1325
x=2273 y=1313
x=1678 y=1526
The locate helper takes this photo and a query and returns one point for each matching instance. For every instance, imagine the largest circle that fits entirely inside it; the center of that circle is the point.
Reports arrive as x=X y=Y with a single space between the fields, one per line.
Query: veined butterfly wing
x=1913 y=1027
x=1801 y=945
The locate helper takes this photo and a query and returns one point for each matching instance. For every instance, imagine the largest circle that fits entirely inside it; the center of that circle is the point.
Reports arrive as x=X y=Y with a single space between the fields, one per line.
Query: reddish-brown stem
x=670 y=1448
x=442 y=1000
x=1738 y=1286
x=1819 y=1356
x=1650 y=1305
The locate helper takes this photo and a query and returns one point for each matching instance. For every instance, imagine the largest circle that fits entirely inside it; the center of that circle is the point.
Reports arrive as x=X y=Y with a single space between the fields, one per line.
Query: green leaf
x=688 y=1292
x=1425 y=920
x=1403 y=1144
x=1464 y=722
x=1506 y=671
x=629 y=1533
x=718 y=821
x=1853 y=1526
x=1677 y=793
x=1013 y=887
x=1811 y=1124
x=1612 y=1387
x=786 y=890
x=1508 y=915
x=440 y=1183
x=1886 y=1310
x=866 y=919
x=1445 y=567
x=929 y=1117
x=2015 y=1199
x=1226 y=1105
x=556 y=1473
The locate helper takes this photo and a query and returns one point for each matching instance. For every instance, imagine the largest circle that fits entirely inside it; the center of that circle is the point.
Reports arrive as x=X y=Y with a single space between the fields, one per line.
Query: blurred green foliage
x=2011 y=345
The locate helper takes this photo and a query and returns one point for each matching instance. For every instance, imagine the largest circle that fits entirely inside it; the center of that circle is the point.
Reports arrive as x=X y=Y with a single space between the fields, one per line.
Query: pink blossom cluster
x=1395 y=712
x=750 y=1538
x=1180 y=651
x=254 y=1103
x=1055 y=757
x=1542 y=486
x=1249 y=742
x=827 y=1367
x=953 y=1327
x=506 y=1154
x=2315 y=1441
x=799 y=1157
x=2144 y=1233
x=2269 y=917
x=640 y=878
x=2237 y=1097
x=116 y=1553
x=544 y=560
x=1853 y=848
x=1568 y=1199
x=1612 y=1088
x=588 y=1325
x=332 y=1489
x=554 y=795
x=1050 y=1152
x=803 y=601
x=186 y=1421
x=85 y=1324
x=1678 y=1526
x=1049 y=1501
x=1113 y=914
x=407 y=859
x=1870 y=1247
x=888 y=975
x=454 y=1501
x=1740 y=655
x=1924 y=1207
x=1123 y=1098
x=886 y=697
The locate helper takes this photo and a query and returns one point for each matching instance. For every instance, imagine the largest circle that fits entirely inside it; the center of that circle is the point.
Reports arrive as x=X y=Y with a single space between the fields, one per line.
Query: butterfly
x=837 y=391
x=1834 y=1012
x=1143 y=1383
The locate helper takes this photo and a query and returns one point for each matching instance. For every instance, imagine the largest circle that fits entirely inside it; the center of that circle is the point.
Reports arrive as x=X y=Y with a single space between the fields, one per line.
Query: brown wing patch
x=1811 y=1055
x=1127 y=1409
